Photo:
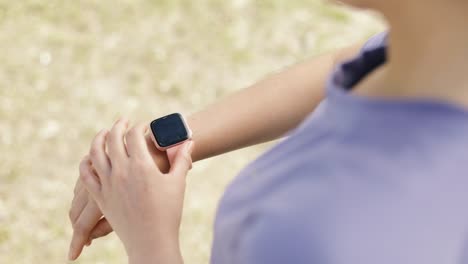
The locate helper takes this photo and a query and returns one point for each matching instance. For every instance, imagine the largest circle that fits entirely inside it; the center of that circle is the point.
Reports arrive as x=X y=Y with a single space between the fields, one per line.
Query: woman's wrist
x=155 y=246
x=161 y=253
x=152 y=258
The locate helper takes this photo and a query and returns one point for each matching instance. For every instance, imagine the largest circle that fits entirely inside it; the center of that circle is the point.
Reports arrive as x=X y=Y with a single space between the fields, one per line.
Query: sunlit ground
x=70 y=68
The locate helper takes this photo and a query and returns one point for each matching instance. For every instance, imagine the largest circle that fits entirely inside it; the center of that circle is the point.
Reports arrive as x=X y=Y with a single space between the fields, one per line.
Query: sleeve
x=373 y=53
x=376 y=41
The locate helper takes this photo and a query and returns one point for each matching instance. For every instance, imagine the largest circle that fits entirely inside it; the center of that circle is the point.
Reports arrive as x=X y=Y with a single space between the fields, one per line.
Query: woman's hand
x=141 y=203
x=85 y=216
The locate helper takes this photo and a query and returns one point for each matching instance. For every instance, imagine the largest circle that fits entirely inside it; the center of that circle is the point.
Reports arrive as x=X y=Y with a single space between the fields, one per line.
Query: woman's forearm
x=264 y=111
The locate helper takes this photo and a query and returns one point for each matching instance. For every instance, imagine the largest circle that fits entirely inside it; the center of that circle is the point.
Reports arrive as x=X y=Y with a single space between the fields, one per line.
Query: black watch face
x=169 y=130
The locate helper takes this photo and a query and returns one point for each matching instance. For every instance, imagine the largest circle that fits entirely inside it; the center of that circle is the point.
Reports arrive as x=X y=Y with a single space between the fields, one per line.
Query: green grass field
x=70 y=68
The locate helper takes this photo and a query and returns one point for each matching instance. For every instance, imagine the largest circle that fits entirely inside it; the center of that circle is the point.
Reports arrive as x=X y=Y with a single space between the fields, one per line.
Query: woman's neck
x=428 y=53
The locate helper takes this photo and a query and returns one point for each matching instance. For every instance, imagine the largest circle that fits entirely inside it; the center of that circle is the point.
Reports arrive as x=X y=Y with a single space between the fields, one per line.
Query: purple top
x=360 y=181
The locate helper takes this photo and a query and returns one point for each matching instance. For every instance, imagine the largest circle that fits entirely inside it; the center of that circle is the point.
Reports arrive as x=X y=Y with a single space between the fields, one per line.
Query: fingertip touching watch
x=169 y=131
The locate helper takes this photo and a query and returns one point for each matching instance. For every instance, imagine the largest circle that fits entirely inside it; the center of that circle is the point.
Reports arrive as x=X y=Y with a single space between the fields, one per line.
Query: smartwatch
x=169 y=131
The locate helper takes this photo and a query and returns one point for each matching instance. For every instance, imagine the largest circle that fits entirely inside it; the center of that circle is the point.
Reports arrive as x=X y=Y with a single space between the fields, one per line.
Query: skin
x=278 y=109
x=142 y=203
x=427 y=56
x=426 y=61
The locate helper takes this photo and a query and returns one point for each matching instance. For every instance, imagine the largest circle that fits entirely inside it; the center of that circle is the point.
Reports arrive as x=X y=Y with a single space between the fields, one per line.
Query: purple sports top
x=360 y=181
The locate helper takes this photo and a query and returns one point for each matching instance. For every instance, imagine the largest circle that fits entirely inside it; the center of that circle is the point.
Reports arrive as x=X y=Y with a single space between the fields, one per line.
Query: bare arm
x=259 y=113
x=266 y=110
x=279 y=103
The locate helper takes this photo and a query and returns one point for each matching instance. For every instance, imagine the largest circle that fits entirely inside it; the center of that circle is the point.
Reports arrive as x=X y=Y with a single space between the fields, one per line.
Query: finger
x=81 y=194
x=82 y=229
x=78 y=204
x=136 y=142
x=115 y=142
x=78 y=184
x=75 y=250
x=91 y=182
x=151 y=146
x=99 y=159
x=159 y=157
x=102 y=228
x=182 y=161
x=172 y=153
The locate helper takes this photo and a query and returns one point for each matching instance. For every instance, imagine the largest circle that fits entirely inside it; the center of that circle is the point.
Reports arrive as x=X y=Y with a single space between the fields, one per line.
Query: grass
x=70 y=68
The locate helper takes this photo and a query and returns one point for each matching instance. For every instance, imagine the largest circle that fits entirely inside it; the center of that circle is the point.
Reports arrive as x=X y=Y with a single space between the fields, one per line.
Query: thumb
x=172 y=153
x=102 y=228
x=182 y=161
